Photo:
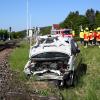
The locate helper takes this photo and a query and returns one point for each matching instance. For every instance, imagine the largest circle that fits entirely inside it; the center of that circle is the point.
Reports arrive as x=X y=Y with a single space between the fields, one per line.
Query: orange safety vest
x=86 y=37
x=98 y=36
x=94 y=34
x=90 y=36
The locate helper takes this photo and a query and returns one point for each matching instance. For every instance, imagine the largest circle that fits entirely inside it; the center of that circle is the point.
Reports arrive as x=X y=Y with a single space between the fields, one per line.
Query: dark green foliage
x=45 y=30
x=3 y=34
x=74 y=20
x=20 y=34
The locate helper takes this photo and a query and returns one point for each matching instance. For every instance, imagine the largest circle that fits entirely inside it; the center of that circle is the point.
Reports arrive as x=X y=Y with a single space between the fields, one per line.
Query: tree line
x=75 y=20
x=4 y=34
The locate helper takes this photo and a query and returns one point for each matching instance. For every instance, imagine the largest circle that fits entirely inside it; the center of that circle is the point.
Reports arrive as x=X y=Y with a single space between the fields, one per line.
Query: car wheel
x=59 y=83
x=75 y=79
x=28 y=76
x=68 y=81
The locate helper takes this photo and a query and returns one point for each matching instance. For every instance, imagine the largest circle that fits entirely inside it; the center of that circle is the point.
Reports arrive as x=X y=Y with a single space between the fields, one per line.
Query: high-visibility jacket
x=81 y=34
x=98 y=36
x=73 y=33
x=91 y=36
x=94 y=34
x=86 y=36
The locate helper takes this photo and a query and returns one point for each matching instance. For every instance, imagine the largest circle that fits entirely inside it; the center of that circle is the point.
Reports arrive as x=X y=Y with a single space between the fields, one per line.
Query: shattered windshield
x=41 y=40
x=48 y=40
x=67 y=32
x=51 y=40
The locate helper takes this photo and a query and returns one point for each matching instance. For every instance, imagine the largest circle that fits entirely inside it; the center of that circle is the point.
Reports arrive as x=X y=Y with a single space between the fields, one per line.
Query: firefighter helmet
x=86 y=29
x=81 y=30
x=95 y=29
x=98 y=29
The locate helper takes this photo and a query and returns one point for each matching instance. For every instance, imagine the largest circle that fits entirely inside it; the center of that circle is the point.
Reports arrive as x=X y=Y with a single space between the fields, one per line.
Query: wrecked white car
x=54 y=58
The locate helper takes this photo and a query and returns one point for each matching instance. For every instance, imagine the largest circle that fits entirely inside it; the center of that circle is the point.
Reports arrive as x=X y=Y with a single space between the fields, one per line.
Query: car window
x=67 y=32
x=51 y=40
x=73 y=46
x=41 y=40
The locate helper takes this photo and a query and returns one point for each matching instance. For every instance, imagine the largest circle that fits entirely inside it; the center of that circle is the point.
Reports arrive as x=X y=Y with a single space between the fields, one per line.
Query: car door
x=76 y=55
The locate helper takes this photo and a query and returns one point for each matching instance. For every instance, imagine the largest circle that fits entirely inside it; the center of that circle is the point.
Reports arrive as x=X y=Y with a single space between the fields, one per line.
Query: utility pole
x=30 y=22
x=27 y=17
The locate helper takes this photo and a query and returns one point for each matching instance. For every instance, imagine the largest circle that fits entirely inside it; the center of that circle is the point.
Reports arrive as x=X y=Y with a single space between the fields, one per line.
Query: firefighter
x=81 y=36
x=90 y=37
x=98 y=36
x=94 y=35
x=73 y=33
x=86 y=37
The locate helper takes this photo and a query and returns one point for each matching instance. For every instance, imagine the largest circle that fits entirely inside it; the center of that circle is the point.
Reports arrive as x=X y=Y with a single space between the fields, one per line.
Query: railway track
x=10 y=87
x=4 y=73
x=2 y=47
x=8 y=44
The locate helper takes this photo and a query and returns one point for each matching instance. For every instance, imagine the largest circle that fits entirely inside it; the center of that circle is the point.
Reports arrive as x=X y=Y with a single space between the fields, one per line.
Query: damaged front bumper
x=51 y=75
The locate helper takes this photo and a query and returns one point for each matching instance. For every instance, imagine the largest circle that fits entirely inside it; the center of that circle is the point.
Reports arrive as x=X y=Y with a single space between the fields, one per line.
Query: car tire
x=69 y=79
x=75 y=79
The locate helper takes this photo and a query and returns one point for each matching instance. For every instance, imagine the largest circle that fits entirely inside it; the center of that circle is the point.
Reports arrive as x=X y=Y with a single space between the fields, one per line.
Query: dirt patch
x=39 y=85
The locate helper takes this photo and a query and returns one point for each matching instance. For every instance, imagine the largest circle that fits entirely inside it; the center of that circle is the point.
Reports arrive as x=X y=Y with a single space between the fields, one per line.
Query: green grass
x=88 y=87
x=19 y=57
x=89 y=84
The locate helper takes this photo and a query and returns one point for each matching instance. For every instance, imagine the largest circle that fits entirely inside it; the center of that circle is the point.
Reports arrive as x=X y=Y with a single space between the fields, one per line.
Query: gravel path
x=4 y=72
x=10 y=87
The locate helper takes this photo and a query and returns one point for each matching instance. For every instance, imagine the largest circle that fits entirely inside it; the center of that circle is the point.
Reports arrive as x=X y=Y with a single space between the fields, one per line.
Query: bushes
x=4 y=34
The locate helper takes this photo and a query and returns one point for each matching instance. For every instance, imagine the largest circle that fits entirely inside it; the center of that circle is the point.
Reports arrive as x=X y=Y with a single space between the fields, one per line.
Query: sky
x=13 y=13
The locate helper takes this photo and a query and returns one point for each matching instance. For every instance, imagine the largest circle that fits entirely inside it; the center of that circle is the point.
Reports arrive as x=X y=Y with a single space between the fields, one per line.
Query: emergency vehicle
x=56 y=30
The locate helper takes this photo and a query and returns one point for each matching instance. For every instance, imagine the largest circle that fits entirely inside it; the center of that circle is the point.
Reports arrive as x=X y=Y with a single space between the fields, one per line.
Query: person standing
x=73 y=33
x=81 y=36
x=86 y=37
x=91 y=37
x=94 y=35
x=98 y=36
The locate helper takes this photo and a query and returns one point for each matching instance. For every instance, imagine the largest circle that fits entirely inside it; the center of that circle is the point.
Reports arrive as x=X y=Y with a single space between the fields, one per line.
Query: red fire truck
x=63 y=32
